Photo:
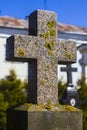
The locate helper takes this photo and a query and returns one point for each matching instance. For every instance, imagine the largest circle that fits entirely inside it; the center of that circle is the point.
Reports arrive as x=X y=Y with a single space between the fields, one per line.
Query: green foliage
x=12 y=92
x=61 y=89
x=83 y=97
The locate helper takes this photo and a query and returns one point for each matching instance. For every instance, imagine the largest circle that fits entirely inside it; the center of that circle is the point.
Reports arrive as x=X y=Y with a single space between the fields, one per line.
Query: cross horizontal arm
x=66 y=51
x=25 y=48
x=22 y=48
x=67 y=69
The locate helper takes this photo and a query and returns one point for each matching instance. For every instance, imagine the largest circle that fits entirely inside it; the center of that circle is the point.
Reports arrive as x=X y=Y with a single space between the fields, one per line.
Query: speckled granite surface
x=43 y=51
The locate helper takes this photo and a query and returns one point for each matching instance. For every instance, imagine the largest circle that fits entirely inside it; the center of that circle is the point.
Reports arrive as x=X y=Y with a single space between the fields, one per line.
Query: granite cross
x=69 y=71
x=43 y=51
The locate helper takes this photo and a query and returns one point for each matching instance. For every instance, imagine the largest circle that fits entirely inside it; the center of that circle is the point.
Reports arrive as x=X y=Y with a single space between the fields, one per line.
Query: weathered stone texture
x=45 y=51
x=44 y=120
x=42 y=22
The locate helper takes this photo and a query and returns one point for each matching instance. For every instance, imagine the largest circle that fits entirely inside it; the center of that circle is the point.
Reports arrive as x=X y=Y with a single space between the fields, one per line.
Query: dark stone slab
x=23 y=119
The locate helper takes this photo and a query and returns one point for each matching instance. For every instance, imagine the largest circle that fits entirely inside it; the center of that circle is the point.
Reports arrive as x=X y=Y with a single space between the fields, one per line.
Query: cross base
x=70 y=97
x=22 y=119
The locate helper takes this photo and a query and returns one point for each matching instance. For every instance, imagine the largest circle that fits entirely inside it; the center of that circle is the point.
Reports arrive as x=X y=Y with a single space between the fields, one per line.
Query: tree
x=10 y=89
x=83 y=97
x=61 y=88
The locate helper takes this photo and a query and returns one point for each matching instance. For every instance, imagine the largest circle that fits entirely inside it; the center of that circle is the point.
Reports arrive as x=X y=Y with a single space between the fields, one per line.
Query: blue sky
x=68 y=11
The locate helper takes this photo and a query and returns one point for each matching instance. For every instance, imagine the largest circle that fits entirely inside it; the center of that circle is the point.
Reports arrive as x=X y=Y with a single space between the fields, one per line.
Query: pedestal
x=71 y=97
x=22 y=119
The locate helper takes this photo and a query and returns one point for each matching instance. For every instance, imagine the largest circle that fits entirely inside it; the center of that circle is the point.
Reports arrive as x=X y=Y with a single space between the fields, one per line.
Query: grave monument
x=43 y=52
x=70 y=96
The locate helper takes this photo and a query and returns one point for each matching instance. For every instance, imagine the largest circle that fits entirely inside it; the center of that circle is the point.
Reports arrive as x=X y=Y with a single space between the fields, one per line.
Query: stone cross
x=43 y=51
x=69 y=71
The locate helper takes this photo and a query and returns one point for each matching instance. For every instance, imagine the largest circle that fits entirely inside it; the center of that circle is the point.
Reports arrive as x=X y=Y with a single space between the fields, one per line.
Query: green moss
x=69 y=108
x=49 y=106
x=34 y=107
x=20 y=52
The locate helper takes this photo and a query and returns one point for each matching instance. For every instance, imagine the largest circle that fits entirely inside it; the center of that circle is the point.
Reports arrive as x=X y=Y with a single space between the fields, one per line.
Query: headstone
x=69 y=71
x=43 y=51
x=70 y=96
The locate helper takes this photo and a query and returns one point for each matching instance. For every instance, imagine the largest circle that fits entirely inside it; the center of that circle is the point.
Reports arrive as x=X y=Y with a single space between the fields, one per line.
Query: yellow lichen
x=69 y=108
x=67 y=53
x=20 y=52
x=51 y=24
x=49 y=106
x=50 y=53
x=69 y=56
x=48 y=67
x=52 y=61
x=46 y=35
x=52 y=85
x=42 y=82
x=50 y=45
x=52 y=32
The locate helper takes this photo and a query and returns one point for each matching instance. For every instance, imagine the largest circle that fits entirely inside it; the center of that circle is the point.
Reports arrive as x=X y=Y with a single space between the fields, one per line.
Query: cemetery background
x=12 y=65
x=4 y=35
x=49 y=51
x=10 y=26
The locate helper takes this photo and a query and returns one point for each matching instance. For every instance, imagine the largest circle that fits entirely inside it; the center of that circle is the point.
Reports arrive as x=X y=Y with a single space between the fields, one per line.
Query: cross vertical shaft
x=69 y=71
